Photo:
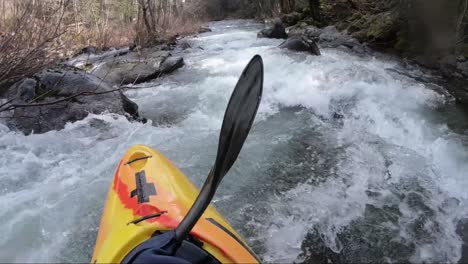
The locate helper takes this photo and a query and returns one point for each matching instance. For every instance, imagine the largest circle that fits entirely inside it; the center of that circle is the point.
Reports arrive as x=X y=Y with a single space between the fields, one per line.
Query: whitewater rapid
x=347 y=158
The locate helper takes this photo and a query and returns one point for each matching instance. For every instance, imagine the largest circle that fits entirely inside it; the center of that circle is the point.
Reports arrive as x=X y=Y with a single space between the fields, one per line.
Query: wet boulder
x=184 y=45
x=57 y=96
x=301 y=43
x=204 y=29
x=463 y=67
x=129 y=65
x=137 y=67
x=133 y=67
x=328 y=37
x=171 y=64
x=25 y=89
x=277 y=30
x=91 y=55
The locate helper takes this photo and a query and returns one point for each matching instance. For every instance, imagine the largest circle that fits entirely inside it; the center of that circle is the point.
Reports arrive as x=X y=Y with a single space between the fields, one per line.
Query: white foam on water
x=53 y=185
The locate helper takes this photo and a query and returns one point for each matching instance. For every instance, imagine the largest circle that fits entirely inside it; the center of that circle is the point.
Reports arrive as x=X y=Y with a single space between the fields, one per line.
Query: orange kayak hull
x=147 y=183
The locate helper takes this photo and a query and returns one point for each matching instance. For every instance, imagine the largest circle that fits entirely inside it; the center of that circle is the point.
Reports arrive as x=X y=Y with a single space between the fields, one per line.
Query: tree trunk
x=145 y=16
x=314 y=6
x=460 y=30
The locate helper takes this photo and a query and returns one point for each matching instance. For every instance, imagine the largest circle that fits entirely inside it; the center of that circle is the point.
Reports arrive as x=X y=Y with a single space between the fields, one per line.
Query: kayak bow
x=150 y=196
x=146 y=184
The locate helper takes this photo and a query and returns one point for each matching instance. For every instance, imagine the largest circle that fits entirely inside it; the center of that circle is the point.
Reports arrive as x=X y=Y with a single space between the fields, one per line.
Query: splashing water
x=347 y=161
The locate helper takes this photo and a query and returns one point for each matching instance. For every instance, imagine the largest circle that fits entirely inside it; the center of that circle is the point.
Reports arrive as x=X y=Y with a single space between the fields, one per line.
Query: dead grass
x=27 y=41
x=183 y=27
x=36 y=33
x=178 y=27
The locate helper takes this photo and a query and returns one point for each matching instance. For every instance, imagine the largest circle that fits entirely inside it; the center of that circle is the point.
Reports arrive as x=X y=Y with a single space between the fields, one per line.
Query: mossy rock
x=360 y=35
x=402 y=43
x=308 y=21
x=292 y=18
x=382 y=27
x=358 y=22
x=341 y=25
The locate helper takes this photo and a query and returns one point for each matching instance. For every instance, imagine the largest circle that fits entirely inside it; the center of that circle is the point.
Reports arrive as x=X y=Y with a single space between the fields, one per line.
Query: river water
x=348 y=161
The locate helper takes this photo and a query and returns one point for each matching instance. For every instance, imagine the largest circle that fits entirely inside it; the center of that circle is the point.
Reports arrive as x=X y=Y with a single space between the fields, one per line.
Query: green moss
x=43 y=93
x=380 y=26
x=402 y=43
x=358 y=22
x=359 y=35
x=341 y=25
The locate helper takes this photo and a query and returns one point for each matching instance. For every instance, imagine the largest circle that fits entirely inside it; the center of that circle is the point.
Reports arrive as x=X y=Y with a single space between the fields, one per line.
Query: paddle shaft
x=198 y=208
x=238 y=119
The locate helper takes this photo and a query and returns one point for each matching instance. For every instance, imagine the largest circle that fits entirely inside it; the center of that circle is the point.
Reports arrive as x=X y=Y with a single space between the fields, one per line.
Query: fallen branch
x=8 y=106
x=14 y=106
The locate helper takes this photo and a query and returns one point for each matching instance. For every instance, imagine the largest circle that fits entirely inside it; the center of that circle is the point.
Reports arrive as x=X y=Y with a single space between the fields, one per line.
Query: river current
x=348 y=161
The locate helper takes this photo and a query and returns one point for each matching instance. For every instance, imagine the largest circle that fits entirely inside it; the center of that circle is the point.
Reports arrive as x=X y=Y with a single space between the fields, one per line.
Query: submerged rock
x=301 y=43
x=277 y=30
x=56 y=94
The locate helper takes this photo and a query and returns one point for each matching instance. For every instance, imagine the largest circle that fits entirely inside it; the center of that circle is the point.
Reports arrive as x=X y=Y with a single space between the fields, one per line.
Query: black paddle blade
x=237 y=122
x=239 y=116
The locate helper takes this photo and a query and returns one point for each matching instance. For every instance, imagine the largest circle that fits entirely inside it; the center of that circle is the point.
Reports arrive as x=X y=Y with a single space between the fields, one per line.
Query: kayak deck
x=147 y=184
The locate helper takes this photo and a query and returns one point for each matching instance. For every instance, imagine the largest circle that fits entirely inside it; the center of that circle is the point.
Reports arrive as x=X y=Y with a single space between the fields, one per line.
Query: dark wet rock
x=90 y=56
x=449 y=60
x=462 y=231
x=301 y=43
x=327 y=37
x=171 y=64
x=185 y=45
x=277 y=30
x=365 y=240
x=129 y=106
x=25 y=89
x=133 y=47
x=204 y=30
x=463 y=67
x=427 y=61
x=338 y=116
x=135 y=67
x=54 y=85
x=89 y=50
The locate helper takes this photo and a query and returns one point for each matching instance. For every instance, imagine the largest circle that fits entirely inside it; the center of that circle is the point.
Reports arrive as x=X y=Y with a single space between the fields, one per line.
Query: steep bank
x=402 y=28
x=90 y=83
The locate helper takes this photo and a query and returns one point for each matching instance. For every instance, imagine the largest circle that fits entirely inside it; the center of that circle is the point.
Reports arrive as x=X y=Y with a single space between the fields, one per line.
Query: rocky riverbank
x=90 y=82
x=450 y=71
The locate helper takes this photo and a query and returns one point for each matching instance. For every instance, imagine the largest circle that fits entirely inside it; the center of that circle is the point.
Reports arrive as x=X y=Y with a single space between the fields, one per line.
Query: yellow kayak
x=150 y=195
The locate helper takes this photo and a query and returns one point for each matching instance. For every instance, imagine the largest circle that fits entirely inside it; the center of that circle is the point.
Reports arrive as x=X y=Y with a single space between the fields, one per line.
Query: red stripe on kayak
x=139 y=209
x=142 y=210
